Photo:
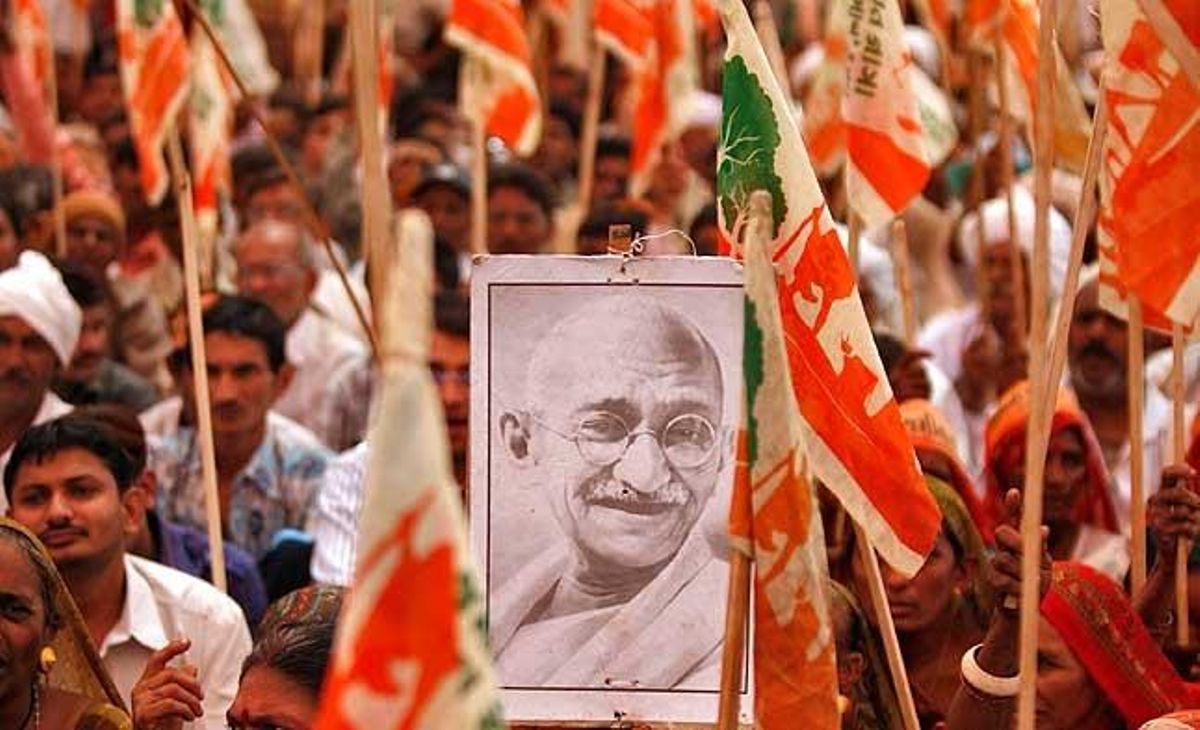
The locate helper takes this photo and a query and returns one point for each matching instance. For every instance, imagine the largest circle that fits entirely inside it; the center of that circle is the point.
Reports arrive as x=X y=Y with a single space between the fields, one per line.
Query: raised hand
x=166 y=697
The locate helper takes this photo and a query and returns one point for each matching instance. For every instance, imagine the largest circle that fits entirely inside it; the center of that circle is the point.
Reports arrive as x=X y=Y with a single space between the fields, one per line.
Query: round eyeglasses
x=688 y=441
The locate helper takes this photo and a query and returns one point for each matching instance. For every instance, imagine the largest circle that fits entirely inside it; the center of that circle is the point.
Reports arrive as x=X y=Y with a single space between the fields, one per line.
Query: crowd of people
x=107 y=615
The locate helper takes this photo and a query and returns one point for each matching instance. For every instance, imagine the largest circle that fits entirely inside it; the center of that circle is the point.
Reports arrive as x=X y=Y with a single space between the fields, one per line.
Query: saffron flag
x=497 y=89
x=412 y=646
x=938 y=16
x=855 y=439
x=1149 y=224
x=664 y=86
x=824 y=126
x=624 y=30
x=774 y=519
x=886 y=167
x=210 y=128
x=1016 y=22
x=155 y=70
x=32 y=38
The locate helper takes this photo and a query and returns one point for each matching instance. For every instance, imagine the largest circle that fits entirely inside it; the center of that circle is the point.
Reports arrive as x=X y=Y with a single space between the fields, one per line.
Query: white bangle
x=989 y=684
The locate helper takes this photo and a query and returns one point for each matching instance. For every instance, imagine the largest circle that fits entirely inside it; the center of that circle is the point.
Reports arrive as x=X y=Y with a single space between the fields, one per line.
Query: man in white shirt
x=73 y=483
x=39 y=326
x=277 y=266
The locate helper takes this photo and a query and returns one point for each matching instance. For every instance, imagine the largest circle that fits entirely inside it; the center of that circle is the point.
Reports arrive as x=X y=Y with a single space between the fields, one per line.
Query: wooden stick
x=591 y=127
x=978 y=190
x=1179 y=447
x=1040 y=408
x=887 y=628
x=1020 y=315
x=768 y=36
x=308 y=50
x=311 y=215
x=1137 y=396
x=737 y=612
x=479 y=183
x=191 y=281
x=904 y=280
x=56 y=171
x=855 y=226
x=376 y=199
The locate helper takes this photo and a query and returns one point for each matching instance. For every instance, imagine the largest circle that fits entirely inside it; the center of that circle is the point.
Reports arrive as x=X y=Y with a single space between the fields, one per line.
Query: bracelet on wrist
x=989 y=684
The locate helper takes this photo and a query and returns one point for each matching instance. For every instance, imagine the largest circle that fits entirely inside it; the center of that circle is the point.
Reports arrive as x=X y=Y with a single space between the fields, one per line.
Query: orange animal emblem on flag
x=1149 y=226
x=155 y=72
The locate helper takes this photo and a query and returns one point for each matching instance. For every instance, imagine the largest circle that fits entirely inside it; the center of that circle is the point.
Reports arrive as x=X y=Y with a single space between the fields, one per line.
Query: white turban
x=34 y=291
x=995 y=230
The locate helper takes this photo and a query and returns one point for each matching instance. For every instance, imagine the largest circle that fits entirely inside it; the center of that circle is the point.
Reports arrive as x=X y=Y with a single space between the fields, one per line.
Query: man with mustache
x=39 y=326
x=268 y=467
x=1097 y=358
x=623 y=430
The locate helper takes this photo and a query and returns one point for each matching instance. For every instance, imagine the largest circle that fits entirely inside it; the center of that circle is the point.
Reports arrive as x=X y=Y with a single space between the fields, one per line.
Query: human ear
x=134 y=503
x=514 y=432
x=283 y=378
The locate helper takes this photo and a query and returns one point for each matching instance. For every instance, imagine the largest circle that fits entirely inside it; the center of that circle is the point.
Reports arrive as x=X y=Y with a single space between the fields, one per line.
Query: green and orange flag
x=1149 y=224
x=774 y=520
x=855 y=440
x=155 y=73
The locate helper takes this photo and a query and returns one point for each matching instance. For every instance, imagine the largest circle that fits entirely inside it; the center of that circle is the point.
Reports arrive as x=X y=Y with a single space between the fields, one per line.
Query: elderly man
x=1097 y=358
x=623 y=430
x=39 y=325
x=276 y=265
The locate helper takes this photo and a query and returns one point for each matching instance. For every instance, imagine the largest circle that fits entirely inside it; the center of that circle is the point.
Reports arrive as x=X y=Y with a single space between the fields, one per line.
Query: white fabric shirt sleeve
x=335 y=517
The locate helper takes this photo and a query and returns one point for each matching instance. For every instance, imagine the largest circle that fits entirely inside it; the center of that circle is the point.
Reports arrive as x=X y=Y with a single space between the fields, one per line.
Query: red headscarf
x=1098 y=624
x=1095 y=505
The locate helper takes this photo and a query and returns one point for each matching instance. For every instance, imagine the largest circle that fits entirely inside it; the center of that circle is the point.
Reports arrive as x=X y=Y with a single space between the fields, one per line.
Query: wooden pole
x=308 y=50
x=1040 y=408
x=376 y=200
x=855 y=233
x=737 y=612
x=591 y=127
x=978 y=189
x=887 y=628
x=908 y=311
x=768 y=36
x=311 y=215
x=1137 y=396
x=56 y=170
x=1020 y=315
x=479 y=183
x=191 y=281
x=1179 y=447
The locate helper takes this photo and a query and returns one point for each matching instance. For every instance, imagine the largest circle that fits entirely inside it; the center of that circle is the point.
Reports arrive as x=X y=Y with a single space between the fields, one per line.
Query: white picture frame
x=540 y=353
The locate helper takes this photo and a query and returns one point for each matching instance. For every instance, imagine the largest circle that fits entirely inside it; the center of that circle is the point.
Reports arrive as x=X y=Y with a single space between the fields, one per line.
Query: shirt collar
x=139 y=620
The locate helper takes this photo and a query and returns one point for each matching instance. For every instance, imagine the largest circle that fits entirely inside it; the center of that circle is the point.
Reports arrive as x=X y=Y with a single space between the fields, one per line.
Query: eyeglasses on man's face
x=688 y=441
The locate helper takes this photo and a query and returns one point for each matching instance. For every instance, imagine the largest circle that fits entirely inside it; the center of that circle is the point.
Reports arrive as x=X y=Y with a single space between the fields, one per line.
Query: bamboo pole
x=737 y=612
x=1179 y=447
x=1020 y=314
x=768 y=36
x=312 y=217
x=908 y=311
x=1040 y=408
x=887 y=628
x=479 y=183
x=56 y=170
x=191 y=281
x=855 y=226
x=591 y=127
x=1137 y=396
x=376 y=200
x=978 y=191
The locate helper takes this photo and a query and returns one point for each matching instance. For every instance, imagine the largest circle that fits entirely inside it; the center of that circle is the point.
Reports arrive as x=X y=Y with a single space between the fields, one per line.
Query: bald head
x=276 y=266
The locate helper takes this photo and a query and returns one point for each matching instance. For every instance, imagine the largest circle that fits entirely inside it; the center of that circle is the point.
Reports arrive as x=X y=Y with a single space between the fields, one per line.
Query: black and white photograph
x=604 y=423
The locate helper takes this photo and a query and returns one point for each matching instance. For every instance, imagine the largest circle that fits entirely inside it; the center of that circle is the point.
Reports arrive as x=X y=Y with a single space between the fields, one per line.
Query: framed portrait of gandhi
x=605 y=398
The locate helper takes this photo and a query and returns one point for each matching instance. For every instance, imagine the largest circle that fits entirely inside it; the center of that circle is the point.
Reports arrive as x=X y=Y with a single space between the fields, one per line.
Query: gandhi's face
x=626 y=435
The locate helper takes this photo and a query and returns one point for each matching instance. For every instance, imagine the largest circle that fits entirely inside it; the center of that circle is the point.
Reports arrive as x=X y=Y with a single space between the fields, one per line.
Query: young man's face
x=92 y=347
x=71 y=501
x=27 y=367
x=516 y=223
x=450 y=363
x=93 y=243
x=241 y=384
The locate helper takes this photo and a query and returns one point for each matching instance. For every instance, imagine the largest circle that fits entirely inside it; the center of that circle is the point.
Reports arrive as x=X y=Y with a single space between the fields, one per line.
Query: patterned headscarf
x=1095 y=506
x=957 y=521
x=1100 y=627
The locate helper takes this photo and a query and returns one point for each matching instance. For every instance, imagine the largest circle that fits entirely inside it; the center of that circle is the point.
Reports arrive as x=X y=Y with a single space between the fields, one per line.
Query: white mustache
x=673 y=493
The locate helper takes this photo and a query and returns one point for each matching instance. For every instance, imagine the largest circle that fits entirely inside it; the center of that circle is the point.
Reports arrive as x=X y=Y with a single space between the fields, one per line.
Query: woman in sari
x=868 y=701
x=940 y=611
x=1078 y=505
x=50 y=675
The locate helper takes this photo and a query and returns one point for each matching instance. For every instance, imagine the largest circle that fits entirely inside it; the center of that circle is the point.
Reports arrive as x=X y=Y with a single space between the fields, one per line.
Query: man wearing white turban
x=39 y=325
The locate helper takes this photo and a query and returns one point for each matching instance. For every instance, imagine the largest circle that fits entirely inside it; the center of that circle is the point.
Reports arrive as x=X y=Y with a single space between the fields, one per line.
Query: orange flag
x=210 y=127
x=1149 y=226
x=32 y=37
x=887 y=163
x=155 y=70
x=622 y=28
x=664 y=86
x=774 y=519
x=855 y=439
x=497 y=88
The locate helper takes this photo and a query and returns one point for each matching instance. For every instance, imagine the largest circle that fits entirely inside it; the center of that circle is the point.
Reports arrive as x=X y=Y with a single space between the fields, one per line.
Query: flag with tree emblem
x=774 y=520
x=210 y=127
x=155 y=71
x=855 y=439
x=1149 y=224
